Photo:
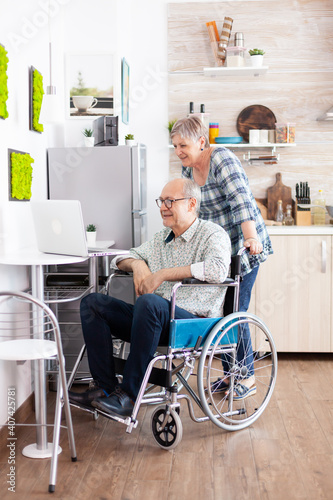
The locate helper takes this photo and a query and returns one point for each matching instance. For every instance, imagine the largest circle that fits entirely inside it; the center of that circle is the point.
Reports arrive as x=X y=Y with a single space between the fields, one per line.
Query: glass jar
x=319 y=210
x=288 y=218
x=279 y=212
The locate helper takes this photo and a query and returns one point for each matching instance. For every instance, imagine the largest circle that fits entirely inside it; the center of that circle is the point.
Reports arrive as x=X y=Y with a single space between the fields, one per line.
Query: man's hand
x=140 y=272
x=139 y=269
x=151 y=283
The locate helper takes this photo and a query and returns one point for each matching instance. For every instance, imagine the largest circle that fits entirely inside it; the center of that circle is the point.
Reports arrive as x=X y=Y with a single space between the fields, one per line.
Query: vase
x=257 y=60
x=130 y=142
x=89 y=142
x=91 y=238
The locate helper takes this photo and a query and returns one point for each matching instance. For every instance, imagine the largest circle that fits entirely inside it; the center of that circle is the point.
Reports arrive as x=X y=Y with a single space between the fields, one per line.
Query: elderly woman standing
x=226 y=200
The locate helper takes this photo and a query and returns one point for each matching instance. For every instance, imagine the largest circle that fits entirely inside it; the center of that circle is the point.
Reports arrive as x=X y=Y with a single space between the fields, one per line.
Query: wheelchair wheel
x=167 y=432
x=233 y=393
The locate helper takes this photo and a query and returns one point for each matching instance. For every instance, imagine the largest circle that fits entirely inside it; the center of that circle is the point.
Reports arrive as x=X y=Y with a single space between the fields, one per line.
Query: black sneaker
x=219 y=386
x=118 y=404
x=85 y=398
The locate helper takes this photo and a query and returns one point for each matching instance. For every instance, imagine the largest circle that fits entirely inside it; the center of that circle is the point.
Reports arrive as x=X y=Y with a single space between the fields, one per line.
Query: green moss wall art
x=3 y=82
x=36 y=98
x=20 y=170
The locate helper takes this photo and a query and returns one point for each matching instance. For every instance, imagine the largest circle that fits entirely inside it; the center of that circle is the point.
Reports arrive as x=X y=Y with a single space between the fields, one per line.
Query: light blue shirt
x=204 y=246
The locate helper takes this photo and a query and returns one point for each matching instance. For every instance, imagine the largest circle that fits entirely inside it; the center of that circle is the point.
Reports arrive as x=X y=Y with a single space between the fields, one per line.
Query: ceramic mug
x=84 y=102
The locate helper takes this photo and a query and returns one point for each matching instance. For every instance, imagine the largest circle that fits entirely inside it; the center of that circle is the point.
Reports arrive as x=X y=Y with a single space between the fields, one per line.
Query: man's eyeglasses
x=168 y=203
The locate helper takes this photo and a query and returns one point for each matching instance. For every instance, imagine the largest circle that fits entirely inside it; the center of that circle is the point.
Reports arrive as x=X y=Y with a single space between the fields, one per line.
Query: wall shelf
x=237 y=71
x=247 y=145
x=274 y=158
x=328 y=116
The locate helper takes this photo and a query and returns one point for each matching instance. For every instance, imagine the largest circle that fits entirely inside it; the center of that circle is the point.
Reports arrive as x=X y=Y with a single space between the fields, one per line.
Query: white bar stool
x=29 y=330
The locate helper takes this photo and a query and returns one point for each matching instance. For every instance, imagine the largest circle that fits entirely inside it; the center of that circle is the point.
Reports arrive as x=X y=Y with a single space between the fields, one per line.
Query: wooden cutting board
x=277 y=192
x=255 y=117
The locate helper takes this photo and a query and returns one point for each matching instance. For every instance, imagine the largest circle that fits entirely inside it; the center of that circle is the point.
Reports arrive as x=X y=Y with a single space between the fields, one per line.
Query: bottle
x=239 y=40
x=191 y=107
x=213 y=132
x=279 y=212
x=319 y=210
x=288 y=218
x=202 y=108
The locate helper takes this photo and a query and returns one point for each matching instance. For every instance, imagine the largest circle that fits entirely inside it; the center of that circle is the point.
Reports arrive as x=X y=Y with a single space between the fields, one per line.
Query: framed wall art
x=20 y=175
x=3 y=82
x=125 y=91
x=89 y=85
x=36 y=93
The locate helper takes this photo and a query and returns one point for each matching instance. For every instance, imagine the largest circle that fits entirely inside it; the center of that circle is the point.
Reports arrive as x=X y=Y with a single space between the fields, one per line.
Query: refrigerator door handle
x=136 y=178
x=138 y=213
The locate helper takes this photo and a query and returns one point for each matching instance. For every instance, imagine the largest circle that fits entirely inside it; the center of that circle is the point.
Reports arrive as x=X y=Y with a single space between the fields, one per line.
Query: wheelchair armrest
x=119 y=272
x=193 y=281
x=115 y=273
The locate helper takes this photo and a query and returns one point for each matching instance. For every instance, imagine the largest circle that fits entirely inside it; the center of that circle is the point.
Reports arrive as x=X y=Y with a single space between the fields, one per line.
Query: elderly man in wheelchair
x=187 y=248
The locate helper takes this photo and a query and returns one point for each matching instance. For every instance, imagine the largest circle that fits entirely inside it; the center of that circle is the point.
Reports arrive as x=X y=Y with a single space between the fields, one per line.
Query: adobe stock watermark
x=294 y=278
x=151 y=81
x=31 y=26
x=11 y=445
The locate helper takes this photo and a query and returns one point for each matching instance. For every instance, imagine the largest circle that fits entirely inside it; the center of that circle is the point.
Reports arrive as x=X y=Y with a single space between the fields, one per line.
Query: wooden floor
x=287 y=454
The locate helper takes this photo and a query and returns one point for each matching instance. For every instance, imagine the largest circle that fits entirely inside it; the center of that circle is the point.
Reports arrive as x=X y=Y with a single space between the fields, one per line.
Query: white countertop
x=300 y=230
x=31 y=256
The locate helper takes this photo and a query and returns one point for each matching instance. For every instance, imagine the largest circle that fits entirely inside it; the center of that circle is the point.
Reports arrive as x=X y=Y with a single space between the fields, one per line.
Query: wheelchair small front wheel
x=167 y=427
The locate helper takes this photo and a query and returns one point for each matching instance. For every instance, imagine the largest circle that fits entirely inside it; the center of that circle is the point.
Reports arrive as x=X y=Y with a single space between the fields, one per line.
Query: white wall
x=134 y=30
x=26 y=44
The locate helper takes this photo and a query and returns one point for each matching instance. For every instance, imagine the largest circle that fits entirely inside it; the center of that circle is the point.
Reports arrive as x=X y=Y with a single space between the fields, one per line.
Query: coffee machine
x=106 y=131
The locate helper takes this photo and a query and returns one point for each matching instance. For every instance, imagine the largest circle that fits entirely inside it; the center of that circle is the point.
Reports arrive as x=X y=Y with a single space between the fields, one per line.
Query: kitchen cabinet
x=293 y=292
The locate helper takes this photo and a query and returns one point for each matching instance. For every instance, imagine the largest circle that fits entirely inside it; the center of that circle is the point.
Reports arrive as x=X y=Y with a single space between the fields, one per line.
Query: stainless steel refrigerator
x=110 y=183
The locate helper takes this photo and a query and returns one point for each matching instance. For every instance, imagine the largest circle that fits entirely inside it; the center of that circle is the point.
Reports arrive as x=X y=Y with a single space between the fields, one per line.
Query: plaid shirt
x=227 y=200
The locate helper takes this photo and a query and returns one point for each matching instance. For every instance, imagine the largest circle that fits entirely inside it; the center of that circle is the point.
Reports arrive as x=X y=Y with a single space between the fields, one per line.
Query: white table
x=37 y=260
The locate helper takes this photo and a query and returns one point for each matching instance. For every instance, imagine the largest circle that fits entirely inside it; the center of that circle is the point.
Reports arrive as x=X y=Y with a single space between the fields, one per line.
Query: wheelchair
x=223 y=354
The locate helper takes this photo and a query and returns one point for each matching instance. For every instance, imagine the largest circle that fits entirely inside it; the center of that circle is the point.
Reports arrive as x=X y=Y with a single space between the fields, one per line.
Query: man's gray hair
x=190 y=128
x=192 y=190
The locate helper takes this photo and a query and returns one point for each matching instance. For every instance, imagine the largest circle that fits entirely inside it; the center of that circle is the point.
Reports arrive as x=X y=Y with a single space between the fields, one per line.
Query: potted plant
x=257 y=57
x=129 y=139
x=91 y=235
x=88 y=137
x=170 y=126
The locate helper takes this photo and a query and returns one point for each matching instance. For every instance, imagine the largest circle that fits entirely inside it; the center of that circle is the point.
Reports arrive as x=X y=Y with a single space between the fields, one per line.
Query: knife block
x=302 y=216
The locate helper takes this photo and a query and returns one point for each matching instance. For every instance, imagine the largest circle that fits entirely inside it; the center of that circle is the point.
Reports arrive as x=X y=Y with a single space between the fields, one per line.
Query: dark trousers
x=145 y=325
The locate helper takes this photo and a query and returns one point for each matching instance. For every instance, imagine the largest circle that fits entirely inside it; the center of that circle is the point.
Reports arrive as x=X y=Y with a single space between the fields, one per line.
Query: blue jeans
x=244 y=348
x=145 y=325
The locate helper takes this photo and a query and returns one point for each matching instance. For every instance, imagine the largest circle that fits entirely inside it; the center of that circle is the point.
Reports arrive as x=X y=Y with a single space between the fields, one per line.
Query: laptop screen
x=59 y=227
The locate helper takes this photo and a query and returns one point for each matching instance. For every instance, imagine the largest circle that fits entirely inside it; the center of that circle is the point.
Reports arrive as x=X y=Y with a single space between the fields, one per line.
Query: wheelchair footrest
x=127 y=420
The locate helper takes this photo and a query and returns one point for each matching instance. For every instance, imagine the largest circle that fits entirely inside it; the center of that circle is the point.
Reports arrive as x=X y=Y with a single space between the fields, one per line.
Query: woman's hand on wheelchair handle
x=254 y=246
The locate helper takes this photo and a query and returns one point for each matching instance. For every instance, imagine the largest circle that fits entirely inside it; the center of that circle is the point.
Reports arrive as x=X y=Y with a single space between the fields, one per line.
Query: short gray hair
x=192 y=190
x=190 y=128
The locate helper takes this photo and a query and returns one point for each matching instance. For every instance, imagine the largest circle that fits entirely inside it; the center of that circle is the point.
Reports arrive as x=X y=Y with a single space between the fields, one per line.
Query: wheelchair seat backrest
x=228 y=307
x=184 y=333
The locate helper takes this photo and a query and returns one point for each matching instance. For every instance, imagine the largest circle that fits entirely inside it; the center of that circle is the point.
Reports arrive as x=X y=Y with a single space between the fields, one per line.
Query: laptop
x=60 y=229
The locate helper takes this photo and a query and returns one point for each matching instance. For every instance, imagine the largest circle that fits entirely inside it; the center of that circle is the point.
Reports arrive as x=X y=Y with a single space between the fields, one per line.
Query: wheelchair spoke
x=235 y=382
